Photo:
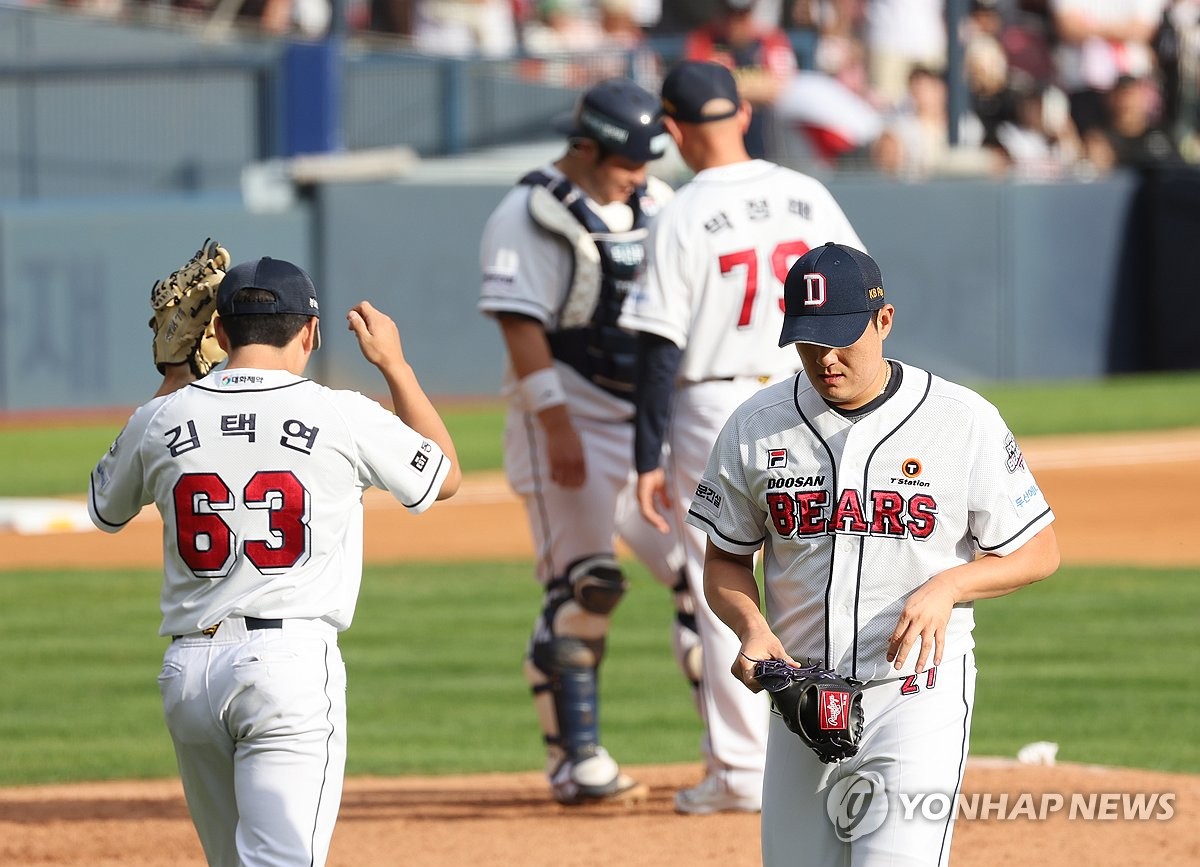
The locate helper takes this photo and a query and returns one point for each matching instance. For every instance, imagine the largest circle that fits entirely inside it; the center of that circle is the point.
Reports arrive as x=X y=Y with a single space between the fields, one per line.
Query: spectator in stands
x=1097 y=44
x=390 y=16
x=1176 y=47
x=462 y=28
x=581 y=42
x=1134 y=136
x=761 y=58
x=914 y=144
x=841 y=50
x=1039 y=142
x=988 y=84
x=901 y=36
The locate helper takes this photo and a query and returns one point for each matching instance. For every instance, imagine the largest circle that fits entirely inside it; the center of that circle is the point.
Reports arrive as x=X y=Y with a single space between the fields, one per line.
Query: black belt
x=251 y=623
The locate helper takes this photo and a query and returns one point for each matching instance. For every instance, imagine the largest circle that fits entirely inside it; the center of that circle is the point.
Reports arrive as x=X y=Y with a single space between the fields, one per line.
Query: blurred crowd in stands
x=1054 y=88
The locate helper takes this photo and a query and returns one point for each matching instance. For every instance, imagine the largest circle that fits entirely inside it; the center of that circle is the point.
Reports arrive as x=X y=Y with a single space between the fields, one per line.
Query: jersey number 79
x=782 y=257
x=209 y=546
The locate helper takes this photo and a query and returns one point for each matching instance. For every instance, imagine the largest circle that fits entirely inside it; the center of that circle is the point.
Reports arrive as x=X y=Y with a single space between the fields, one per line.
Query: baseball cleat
x=624 y=791
x=595 y=779
x=712 y=796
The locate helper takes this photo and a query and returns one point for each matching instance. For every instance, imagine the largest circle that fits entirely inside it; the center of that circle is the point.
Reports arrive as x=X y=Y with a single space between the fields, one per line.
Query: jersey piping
x=96 y=508
x=435 y=478
x=246 y=390
x=833 y=476
x=728 y=539
x=961 y=762
x=982 y=547
x=325 y=772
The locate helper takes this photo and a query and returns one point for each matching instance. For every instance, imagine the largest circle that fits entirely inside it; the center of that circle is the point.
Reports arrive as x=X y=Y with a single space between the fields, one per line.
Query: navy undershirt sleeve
x=657 y=366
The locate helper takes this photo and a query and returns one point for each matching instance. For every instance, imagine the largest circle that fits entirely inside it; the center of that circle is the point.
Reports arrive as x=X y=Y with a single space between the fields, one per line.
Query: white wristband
x=542 y=389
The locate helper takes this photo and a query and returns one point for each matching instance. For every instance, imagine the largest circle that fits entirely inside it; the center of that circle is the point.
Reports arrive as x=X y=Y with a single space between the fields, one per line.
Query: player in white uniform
x=258 y=474
x=710 y=312
x=886 y=501
x=559 y=255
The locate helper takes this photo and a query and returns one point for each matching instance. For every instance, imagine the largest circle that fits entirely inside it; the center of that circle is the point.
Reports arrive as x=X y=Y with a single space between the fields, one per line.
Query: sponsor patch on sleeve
x=1013 y=459
x=708 y=494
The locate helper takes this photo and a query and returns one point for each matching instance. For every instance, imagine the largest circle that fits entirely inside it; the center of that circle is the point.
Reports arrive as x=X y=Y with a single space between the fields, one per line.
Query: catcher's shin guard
x=568 y=669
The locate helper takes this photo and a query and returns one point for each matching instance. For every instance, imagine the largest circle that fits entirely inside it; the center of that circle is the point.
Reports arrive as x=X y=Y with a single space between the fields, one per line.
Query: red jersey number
x=782 y=257
x=208 y=545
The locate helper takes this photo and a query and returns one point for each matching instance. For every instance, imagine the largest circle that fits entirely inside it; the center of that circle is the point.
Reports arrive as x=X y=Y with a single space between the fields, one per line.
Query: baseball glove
x=183 y=305
x=822 y=707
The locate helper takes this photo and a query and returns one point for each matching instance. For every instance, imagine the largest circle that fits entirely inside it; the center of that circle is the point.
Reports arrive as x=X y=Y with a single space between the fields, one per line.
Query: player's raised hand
x=654 y=498
x=378 y=336
x=923 y=620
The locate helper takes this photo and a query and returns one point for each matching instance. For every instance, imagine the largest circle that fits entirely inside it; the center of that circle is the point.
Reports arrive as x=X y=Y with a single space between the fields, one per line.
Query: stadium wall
x=991 y=281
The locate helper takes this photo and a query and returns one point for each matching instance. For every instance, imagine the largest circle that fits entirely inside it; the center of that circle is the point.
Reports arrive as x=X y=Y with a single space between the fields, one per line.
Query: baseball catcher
x=183 y=304
x=822 y=707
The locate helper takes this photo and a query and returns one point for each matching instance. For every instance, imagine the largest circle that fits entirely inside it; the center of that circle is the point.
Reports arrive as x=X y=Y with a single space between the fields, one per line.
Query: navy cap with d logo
x=829 y=296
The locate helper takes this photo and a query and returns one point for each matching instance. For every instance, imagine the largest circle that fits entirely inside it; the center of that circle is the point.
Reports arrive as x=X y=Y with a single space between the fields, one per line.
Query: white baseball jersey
x=527 y=270
x=854 y=516
x=719 y=254
x=259 y=477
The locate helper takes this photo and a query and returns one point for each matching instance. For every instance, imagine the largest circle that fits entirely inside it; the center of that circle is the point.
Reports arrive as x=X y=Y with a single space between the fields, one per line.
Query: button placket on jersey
x=845 y=565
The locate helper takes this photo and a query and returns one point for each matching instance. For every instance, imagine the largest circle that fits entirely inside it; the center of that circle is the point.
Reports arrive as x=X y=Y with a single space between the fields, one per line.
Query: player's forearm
x=992 y=576
x=732 y=591
x=533 y=365
x=413 y=407
x=526 y=343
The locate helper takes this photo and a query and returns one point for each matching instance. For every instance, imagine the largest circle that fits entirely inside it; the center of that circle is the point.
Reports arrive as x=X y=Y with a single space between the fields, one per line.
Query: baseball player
x=886 y=501
x=258 y=474
x=709 y=315
x=559 y=255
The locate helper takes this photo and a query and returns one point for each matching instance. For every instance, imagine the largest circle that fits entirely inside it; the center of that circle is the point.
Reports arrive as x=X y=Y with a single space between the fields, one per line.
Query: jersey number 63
x=208 y=545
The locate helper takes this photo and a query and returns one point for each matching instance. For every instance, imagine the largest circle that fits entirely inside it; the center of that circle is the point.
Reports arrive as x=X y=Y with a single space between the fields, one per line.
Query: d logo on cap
x=830 y=295
x=814 y=290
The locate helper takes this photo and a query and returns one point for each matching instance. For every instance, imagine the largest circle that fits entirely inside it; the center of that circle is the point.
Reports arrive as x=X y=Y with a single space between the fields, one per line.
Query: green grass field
x=1089 y=659
x=56 y=460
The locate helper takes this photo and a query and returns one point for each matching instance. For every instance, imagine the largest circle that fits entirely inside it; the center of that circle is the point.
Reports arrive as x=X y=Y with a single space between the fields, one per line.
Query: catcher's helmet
x=621 y=117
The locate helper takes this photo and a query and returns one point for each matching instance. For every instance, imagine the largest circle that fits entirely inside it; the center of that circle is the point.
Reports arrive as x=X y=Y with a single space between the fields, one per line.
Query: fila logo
x=776 y=458
x=814 y=290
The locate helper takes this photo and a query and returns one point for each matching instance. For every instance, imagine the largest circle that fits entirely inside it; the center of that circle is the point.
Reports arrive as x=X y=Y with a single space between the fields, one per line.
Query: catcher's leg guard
x=561 y=666
x=569 y=664
x=596 y=584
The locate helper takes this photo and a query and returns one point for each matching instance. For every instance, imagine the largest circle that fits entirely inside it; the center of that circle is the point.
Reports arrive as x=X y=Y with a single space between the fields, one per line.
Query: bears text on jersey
x=878 y=513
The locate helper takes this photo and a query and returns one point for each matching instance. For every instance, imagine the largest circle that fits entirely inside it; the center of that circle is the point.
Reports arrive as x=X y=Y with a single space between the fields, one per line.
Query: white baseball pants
x=258 y=719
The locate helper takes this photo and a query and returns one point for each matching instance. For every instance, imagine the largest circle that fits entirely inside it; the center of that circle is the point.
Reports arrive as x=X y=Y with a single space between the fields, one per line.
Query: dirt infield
x=507 y=821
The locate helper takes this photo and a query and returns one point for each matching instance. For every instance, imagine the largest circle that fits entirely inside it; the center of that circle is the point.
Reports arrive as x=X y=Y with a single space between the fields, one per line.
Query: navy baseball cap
x=699 y=91
x=293 y=290
x=829 y=296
